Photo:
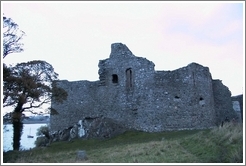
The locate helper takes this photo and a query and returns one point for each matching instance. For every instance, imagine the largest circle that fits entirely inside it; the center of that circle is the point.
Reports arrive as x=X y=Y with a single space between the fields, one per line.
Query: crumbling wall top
x=119 y=50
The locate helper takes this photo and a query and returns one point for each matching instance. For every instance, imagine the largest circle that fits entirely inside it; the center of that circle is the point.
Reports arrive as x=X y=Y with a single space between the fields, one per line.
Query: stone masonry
x=130 y=92
x=237 y=103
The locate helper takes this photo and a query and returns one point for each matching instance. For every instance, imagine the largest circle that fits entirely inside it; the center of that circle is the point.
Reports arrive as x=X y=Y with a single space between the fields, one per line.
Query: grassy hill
x=218 y=145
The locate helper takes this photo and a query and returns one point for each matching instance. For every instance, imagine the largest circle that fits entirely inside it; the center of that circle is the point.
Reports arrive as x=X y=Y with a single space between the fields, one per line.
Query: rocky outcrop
x=101 y=127
x=90 y=127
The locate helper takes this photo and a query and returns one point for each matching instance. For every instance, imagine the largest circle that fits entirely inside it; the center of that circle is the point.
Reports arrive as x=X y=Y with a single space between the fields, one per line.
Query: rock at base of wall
x=102 y=127
x=81 y=155
x=92 y=127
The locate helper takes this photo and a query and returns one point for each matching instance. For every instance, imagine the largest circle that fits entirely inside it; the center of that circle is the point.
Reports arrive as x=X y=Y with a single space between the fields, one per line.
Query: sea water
x=25 y=143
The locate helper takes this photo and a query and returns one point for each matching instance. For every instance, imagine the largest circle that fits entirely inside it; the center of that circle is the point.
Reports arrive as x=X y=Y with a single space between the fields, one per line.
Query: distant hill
x=36 y=119
x=29 y=119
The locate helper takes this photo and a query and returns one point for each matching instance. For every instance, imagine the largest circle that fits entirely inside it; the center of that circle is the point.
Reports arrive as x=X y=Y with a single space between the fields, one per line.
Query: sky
x=74 y=36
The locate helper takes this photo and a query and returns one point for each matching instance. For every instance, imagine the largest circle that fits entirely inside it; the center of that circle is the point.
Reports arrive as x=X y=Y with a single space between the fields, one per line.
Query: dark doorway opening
x=114 y=78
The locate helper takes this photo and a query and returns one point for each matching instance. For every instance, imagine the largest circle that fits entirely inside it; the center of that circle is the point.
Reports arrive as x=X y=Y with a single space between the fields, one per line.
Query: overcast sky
x=74 y=36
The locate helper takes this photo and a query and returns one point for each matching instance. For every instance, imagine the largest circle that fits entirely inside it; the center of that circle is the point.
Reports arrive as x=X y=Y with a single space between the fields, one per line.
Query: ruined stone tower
x=133 y=94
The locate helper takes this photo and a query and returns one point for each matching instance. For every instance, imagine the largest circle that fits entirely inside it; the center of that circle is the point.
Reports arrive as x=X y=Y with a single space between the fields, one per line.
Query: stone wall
x=237 y=103
x=223 y=102
x=186 y=96
x=130 y=92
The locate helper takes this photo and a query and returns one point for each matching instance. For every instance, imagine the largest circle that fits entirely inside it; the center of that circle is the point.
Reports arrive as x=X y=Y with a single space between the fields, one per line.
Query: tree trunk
x=17 y=126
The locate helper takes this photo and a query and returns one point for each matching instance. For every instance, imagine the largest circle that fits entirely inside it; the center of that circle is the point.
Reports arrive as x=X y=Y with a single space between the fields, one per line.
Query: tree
x=12 y=36
x=26 y=86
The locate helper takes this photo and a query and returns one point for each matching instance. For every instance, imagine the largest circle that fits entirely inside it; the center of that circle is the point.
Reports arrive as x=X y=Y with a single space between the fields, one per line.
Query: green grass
x=218 y=145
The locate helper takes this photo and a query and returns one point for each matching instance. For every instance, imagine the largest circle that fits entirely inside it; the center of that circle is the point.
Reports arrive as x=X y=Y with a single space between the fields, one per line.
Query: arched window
x=129 y=78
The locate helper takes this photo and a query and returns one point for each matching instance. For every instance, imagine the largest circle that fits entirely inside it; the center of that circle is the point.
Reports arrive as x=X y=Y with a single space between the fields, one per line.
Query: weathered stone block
x=81 y=155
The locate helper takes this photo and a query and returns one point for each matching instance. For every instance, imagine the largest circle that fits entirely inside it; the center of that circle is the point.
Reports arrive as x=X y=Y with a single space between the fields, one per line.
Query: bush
x=41 y=141
x=43 y=131
x=43 y=136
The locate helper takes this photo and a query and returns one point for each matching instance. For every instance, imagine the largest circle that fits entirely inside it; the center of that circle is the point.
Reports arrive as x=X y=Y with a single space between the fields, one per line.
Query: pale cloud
x=193 y=14
x=232 y=28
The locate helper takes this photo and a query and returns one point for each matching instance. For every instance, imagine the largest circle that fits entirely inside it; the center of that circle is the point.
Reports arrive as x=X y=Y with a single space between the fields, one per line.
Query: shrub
x=42 y=131
x=41 y=141
x=43 y=136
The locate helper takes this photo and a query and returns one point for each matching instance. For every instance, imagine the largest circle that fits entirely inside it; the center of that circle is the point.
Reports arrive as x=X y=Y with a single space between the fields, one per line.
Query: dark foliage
x=27 y=86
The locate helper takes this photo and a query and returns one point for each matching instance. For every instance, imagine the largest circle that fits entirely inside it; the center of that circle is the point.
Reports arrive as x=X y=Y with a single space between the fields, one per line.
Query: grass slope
x=218 y=145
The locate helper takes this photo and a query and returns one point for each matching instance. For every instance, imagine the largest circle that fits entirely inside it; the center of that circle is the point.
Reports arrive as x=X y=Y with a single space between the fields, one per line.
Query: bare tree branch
x=11 y=37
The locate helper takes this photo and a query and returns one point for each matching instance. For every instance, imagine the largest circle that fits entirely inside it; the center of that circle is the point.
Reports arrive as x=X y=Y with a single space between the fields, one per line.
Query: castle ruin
x=131 y=93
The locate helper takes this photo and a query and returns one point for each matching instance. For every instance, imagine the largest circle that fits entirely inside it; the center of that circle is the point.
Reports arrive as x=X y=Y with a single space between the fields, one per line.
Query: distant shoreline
x=31 y=122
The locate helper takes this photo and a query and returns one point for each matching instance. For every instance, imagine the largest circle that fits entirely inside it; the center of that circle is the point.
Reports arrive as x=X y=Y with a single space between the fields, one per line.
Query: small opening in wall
x=129 y=78
x=176 y=97
x=114 y=78
x=201 y=101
